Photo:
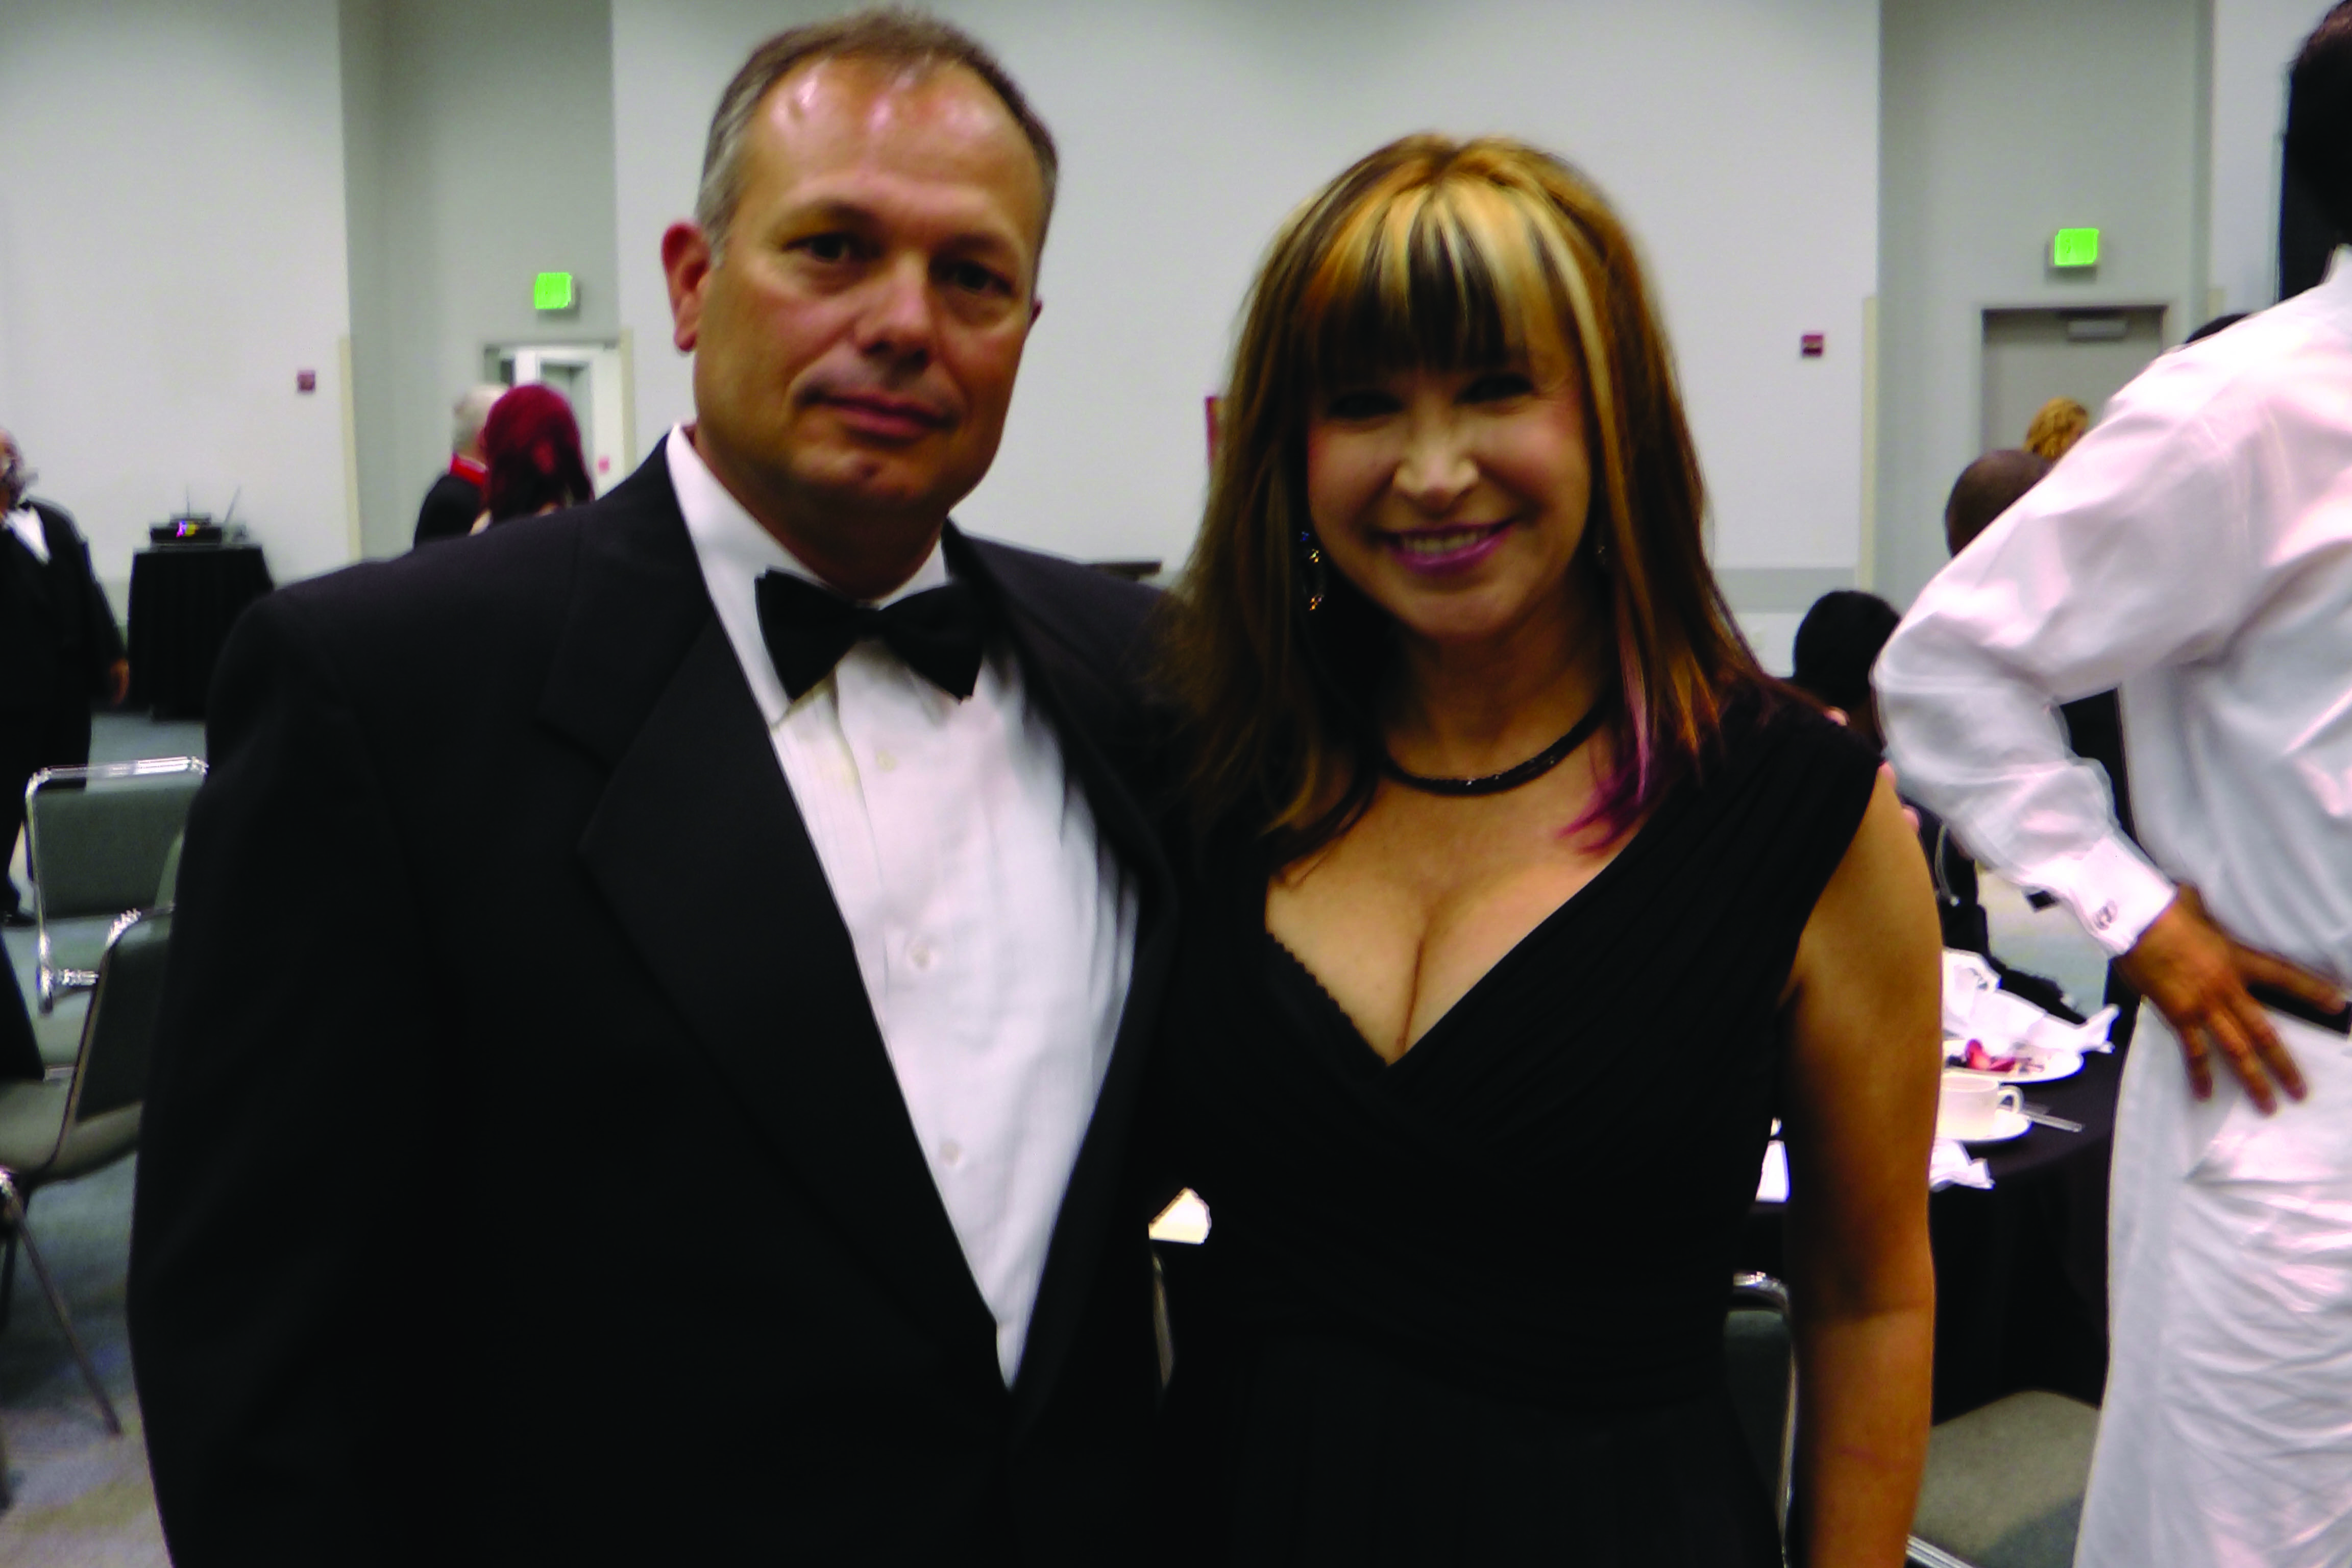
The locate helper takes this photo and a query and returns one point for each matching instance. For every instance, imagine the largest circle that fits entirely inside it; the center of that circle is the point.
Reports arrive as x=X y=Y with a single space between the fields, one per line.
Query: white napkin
x=2053 y=1034
x=1949 y=1165
x=1976 y=1007
x=1967 y=980
x=1185 y=1220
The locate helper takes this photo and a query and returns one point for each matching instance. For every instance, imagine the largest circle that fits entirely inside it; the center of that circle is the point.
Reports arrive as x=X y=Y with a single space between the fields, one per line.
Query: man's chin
x=884 y=488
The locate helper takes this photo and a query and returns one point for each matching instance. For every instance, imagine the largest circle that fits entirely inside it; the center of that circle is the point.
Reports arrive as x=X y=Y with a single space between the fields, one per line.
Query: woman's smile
x=1449 y=550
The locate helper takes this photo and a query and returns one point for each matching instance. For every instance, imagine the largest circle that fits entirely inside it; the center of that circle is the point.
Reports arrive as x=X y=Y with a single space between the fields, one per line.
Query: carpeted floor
x=81 y=1497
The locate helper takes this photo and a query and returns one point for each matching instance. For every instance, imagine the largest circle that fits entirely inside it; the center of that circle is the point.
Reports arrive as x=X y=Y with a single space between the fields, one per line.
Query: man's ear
x=686 y=263
x=1037 y=309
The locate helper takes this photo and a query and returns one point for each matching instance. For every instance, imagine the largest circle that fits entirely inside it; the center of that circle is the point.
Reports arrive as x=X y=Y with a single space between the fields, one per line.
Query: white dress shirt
x=25 y=524
x=994 y=930
x=2195 y=549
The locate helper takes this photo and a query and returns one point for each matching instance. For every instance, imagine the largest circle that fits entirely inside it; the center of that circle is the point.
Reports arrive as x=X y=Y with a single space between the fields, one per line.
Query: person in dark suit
x=60 y=650
x=704 y=945
x=455 y=501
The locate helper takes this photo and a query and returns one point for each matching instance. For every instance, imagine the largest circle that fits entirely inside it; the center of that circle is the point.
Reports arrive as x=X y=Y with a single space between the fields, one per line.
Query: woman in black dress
x=1524 y=902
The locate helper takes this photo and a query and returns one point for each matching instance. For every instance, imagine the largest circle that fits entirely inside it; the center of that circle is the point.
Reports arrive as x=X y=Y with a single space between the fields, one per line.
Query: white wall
x=483 y=154
x=1738 y=136
x=2254 y=41
x=172 y=252
x=2004 y=120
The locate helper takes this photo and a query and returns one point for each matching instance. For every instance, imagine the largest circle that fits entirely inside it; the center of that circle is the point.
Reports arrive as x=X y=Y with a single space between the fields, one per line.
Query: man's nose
x=900 y=321
x=1435 y=471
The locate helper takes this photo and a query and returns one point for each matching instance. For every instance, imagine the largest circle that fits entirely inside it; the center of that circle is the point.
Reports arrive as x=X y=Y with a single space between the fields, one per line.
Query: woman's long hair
x=530 y=444
x=1445 y=256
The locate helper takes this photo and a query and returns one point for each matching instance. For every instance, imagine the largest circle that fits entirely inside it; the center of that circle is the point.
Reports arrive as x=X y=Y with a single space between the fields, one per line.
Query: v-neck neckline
x=1559 y=912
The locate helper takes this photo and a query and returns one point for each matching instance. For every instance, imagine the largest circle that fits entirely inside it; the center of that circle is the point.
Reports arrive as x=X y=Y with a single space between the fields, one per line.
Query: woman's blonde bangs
x=1439 y=271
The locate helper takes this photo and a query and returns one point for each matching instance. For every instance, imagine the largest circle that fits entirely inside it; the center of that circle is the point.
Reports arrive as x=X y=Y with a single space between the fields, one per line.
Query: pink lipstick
x=1440 y=551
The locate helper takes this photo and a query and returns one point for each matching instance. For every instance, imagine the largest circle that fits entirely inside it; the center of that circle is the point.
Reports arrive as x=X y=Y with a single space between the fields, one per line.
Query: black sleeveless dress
x=1469 y=1308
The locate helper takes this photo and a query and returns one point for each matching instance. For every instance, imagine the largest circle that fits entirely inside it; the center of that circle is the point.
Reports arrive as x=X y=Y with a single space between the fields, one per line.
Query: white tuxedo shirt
x=995 y=928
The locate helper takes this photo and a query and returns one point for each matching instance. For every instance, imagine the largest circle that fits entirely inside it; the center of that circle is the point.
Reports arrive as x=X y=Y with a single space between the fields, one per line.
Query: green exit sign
x=552 y=292
x=2075 y=247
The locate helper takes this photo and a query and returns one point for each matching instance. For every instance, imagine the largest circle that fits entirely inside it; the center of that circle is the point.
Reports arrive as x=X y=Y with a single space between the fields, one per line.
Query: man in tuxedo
x=659 y=994
x=60 y=650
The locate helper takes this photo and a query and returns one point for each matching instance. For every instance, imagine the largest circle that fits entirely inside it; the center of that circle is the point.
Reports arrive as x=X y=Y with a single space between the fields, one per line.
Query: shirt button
x=921 y=955
x=886 y=761
x=952 y=1153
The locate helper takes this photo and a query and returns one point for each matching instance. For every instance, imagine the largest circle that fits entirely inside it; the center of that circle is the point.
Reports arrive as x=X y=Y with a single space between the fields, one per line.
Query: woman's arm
x=1859 y=1104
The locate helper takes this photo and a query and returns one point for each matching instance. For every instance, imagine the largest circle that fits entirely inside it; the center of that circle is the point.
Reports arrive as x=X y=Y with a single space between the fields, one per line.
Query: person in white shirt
x=660 y=991
x=2196 y=550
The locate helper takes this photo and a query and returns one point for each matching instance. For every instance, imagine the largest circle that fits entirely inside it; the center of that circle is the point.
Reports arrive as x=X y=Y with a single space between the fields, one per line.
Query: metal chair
x=100 y=840
x=75 y=1123
x=1760 y=1358
x=2004 y=1485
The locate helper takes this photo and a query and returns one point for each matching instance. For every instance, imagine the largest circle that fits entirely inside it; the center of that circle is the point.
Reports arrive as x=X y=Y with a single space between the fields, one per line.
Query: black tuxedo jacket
x=450 y=510
x=523 y=1176
x=57 y=635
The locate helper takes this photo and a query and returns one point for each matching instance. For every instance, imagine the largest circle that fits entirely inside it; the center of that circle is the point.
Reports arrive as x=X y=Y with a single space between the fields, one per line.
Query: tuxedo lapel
x=1093 y=718
x=702 y=854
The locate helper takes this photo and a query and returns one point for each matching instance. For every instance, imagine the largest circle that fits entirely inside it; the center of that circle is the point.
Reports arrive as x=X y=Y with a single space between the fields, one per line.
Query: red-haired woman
x=531 y=446
x=1526 y=902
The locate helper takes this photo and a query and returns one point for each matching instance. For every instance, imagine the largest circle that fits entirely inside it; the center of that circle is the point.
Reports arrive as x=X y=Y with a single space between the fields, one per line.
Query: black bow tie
x=941 y=633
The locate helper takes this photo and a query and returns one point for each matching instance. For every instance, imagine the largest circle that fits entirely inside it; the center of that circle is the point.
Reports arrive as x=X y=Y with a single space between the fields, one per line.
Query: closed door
x=2085 y=354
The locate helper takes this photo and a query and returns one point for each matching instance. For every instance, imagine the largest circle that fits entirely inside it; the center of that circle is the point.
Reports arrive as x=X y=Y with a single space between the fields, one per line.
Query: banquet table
x=2020 y=1271
x=184 y=599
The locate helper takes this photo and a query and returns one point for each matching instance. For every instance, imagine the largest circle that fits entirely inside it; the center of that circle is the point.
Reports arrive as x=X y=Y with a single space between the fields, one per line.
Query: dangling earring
x=1601 y=554
x=1318 y=579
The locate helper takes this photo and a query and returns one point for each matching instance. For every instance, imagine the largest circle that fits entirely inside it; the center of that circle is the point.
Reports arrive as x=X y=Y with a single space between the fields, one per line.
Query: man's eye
x=1497 y=386
x=1364 y=403
x=975 y=279
x=825 y=248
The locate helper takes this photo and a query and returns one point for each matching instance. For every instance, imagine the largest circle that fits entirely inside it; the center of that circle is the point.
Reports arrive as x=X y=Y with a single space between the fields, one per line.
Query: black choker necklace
x=1534 y=768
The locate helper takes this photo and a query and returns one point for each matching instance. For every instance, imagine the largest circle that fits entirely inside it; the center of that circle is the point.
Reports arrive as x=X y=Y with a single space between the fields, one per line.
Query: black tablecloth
x=184 y=599
x=2021 y=1270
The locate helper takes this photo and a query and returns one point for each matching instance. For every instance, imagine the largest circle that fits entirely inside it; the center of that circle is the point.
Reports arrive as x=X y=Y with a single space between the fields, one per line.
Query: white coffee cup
x=1970 y=1104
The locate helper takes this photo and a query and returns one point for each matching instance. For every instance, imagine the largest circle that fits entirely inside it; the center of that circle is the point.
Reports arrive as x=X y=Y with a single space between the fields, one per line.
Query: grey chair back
x=118 y=1035
x=103 y=842
x=99 y=836
x=1759 y=1360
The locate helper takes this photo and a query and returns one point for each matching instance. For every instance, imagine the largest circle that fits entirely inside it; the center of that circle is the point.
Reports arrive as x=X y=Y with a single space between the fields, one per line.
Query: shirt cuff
x=2112 y=890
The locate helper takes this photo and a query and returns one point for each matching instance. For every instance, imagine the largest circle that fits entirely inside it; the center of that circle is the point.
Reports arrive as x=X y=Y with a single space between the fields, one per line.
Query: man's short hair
x=1985 y=488
x=2319 y=117
x=1837 y=642
x=2221 y=323
x=890 y=37
x=468 y=412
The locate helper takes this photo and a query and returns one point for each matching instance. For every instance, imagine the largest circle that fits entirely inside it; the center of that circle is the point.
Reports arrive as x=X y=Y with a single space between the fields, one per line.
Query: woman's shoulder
x=1779 y=752
x=1772 y=724
x=1777 y=801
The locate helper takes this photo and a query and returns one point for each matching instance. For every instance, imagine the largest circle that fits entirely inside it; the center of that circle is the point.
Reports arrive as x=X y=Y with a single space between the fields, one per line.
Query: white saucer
x=2006 y=1124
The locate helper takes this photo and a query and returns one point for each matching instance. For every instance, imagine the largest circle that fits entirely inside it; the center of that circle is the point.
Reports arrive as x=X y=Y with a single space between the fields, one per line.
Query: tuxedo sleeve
x=289 y=1137
x=105 y=636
